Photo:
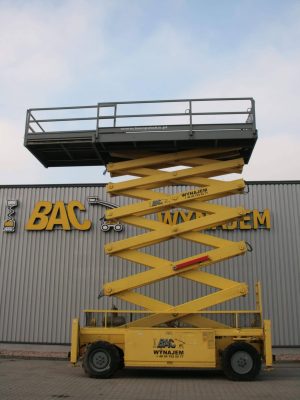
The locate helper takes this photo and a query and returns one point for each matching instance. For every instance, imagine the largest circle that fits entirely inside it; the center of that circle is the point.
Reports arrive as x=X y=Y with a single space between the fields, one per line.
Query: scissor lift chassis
x=184 y=347
x=184 y=335
x=193 y=334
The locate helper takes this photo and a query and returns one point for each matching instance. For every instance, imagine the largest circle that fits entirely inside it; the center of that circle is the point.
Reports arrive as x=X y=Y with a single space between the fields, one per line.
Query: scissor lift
x=187 y=155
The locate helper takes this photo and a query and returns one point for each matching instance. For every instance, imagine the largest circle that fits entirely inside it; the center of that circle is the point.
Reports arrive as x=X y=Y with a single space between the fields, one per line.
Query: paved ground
x=50 y=380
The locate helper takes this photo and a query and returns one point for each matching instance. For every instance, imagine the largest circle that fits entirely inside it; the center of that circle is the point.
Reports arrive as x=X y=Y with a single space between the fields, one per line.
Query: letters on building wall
x=49 y=216
x=254 y=219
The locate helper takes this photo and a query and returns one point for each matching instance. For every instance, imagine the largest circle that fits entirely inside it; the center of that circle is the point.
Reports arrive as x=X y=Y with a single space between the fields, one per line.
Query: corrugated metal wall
x=47 y=277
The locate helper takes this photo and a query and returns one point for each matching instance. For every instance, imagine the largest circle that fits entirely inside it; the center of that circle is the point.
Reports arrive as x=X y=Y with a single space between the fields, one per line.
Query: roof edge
x=285 y=182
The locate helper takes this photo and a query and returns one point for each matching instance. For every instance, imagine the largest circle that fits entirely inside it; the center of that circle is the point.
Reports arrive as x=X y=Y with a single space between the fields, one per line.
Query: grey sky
x=60 y=53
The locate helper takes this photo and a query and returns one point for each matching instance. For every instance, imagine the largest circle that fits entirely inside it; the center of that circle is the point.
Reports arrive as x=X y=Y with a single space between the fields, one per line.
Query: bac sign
x=47 y=216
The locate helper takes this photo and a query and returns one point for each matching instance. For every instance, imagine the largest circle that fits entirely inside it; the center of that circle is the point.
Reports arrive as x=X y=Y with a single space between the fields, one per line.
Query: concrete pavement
x=49 y=380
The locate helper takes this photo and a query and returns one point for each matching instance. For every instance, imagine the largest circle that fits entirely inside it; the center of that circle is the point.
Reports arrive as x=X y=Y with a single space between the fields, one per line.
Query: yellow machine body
x=192 y=334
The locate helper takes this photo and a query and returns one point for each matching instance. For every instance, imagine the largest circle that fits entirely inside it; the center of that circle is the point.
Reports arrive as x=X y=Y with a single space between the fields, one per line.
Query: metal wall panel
x=48 y=277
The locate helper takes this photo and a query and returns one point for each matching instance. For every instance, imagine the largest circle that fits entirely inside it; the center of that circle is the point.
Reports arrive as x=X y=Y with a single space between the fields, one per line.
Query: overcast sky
x=64 y=53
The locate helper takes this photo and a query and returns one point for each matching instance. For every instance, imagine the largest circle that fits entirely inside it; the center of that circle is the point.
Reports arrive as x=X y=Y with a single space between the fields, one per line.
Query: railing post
x=26 y=125
x=236 y=320
x=97 y=121
x=253 y=114
x=115 y=114
x=191 y=118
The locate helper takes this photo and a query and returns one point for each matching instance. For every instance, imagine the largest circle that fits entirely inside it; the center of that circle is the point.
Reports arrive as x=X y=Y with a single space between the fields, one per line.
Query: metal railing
x=113 y=318
x=109 y=115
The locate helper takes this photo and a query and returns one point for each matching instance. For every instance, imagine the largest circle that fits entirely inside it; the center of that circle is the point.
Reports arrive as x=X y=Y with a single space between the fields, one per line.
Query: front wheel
x=101 y=360
x=241 y=362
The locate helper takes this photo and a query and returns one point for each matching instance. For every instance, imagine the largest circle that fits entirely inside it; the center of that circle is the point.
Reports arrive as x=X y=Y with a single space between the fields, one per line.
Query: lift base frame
x=202 y=348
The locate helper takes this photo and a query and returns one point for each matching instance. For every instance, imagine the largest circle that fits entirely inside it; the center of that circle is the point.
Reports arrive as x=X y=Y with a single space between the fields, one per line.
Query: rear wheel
x=241 y=362
x=101 y=360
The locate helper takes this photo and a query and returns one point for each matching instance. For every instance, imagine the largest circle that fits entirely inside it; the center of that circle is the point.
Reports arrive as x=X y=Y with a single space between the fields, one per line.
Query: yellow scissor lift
x=193 y=334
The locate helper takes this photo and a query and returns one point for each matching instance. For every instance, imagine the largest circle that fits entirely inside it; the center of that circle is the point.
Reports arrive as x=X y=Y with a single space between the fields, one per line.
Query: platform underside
x=99 y=147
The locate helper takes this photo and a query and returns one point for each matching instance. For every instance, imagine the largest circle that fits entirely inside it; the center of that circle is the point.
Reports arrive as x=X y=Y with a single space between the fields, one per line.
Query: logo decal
x=168 y=348
x=9 y=224
x=106 y=226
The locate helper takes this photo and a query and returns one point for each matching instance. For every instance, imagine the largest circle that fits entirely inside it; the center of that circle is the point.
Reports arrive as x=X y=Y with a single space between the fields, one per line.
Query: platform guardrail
x=107 y=116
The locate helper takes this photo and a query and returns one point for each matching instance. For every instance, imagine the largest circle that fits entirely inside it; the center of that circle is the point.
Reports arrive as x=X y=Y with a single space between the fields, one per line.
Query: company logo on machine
x=195 y=193
x=106 y=226
x=9 y=224
x=168 y=348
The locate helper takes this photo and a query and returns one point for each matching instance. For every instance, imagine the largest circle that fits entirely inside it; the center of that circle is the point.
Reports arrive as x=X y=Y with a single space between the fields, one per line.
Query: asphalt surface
x=49 y=380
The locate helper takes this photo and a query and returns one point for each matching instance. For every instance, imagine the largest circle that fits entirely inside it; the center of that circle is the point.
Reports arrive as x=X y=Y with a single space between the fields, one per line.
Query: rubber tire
x=121 y=355
x=226 y=362
x=111 y=353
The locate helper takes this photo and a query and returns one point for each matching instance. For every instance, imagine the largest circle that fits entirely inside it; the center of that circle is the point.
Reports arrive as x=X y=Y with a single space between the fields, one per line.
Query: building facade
x=52 y=263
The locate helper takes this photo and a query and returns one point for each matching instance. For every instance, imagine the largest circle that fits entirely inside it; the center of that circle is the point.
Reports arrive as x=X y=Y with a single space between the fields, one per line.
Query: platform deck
x=99 y=134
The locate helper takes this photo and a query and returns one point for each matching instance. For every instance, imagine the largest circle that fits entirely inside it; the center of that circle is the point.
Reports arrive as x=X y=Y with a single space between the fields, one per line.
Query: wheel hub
x=241 y=362
x=100 y=360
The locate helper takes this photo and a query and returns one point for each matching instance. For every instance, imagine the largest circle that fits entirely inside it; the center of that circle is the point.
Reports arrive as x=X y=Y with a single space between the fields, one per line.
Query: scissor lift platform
x=202 y=139
x=103 y=133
